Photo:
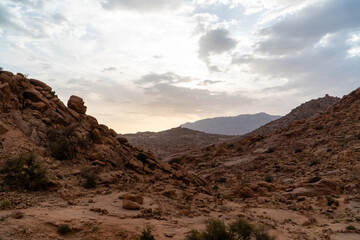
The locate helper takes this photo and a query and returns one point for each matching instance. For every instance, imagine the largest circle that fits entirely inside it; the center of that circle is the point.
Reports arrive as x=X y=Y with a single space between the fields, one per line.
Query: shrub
x=329 y=200
x=141 y=156
x=4 y=203
x=228 y=197
x=230 y=145
x=261 y=234
x=238 y=230
x=53 y=93
x=146 y=234
x=194 y=235
x=91 y=176
x=1 y=68
x=64 y=144
x=269 y=178
x=64 y=229
x=241 y=229
x=350 y=227
x=24 y=171
x=216 y=230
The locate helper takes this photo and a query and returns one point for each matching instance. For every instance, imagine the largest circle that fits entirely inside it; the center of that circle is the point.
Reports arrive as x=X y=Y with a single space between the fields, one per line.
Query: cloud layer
x=155 y=64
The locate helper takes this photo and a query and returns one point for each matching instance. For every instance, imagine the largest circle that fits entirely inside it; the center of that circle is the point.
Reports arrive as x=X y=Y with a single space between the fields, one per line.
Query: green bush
x=350 y=227
x=91 y=176
x=260 y=233
x=64 y=229
x=24 y=171
x=194 y=235
x=146 y=234
x=4 y=203
x=241 y=229
x=64 y=144
x=238 y=230
x=228 y=197
x=216 y=230
x=329 y=200
x=141 y=156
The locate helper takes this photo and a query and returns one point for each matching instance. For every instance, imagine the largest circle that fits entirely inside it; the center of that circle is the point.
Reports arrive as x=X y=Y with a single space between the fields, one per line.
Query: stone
x=136 y=164
x=77 y=104
x=130 y=205
x=135 y=198
x=246 y=192
x=96 y=136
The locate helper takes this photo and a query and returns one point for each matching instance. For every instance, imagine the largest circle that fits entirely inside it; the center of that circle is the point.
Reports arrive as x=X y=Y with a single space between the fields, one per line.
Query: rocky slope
x=175 y=142
x=237 y=125
x=70 y=145
x=306 y=110
x=311 y=170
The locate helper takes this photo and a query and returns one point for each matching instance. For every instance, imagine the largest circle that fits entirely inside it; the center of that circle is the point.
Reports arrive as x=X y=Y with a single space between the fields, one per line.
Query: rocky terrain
x=300 y=183
x=306 y=110
x=175 y=142
x=238 y=125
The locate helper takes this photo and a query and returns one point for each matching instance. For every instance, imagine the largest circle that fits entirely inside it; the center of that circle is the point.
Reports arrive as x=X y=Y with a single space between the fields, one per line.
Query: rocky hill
x=61 y=172
x=174 y=142
x=307 y=172
x=306 y=110
x=238 y=125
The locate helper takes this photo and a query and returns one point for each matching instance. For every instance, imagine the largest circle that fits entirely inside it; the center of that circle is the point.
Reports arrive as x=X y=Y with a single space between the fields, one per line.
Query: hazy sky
x=155 y=64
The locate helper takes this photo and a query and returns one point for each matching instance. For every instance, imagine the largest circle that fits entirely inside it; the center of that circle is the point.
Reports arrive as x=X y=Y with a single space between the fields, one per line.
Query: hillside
x=306 y=110
x=308 y=172
x=174 y=142
x=238 y=125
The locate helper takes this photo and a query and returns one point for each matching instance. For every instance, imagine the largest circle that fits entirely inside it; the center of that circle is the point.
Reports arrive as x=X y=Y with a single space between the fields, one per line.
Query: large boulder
x=77 y=104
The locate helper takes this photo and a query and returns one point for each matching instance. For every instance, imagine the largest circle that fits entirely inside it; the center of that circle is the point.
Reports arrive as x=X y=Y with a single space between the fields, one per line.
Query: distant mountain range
x=237 y=125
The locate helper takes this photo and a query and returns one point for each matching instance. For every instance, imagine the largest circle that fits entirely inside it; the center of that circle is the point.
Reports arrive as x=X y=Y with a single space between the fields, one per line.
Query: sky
x=150 y=65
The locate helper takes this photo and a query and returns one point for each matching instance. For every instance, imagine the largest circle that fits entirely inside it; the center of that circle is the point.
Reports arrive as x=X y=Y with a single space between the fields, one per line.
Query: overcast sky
x=155 y=64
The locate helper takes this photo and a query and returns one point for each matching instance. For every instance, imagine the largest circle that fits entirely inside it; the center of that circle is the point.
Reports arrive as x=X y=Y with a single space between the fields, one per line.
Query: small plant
x=63 y=229
x=53 y=93
x=24 y=171
x=241 y=229
x=230 y=145
x=216 y=230
x=141 y=156
x=194 y=235
x=350 y=227
x=228 y=197
x=1 y=68
x=4 y=203
x=260 y=233
x=269 y=178
x=91 y=176
x=121 y=197
x=146 y=234
x=64 y=144
x=329 y=200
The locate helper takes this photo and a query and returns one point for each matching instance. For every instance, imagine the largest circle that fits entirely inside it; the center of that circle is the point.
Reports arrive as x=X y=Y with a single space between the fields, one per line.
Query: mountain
x=174 y=142
x=238 y=125
x=306 y=110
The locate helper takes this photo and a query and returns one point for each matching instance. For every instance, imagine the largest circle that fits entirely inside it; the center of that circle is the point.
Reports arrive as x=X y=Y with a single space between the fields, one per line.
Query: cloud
x=141 y=5
x=109 y=69
x=165 y=98
x=215 y=42
x=169 y=78
x=208 y=82
x=308 y=26
x=325 y=69
x=59 y=18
